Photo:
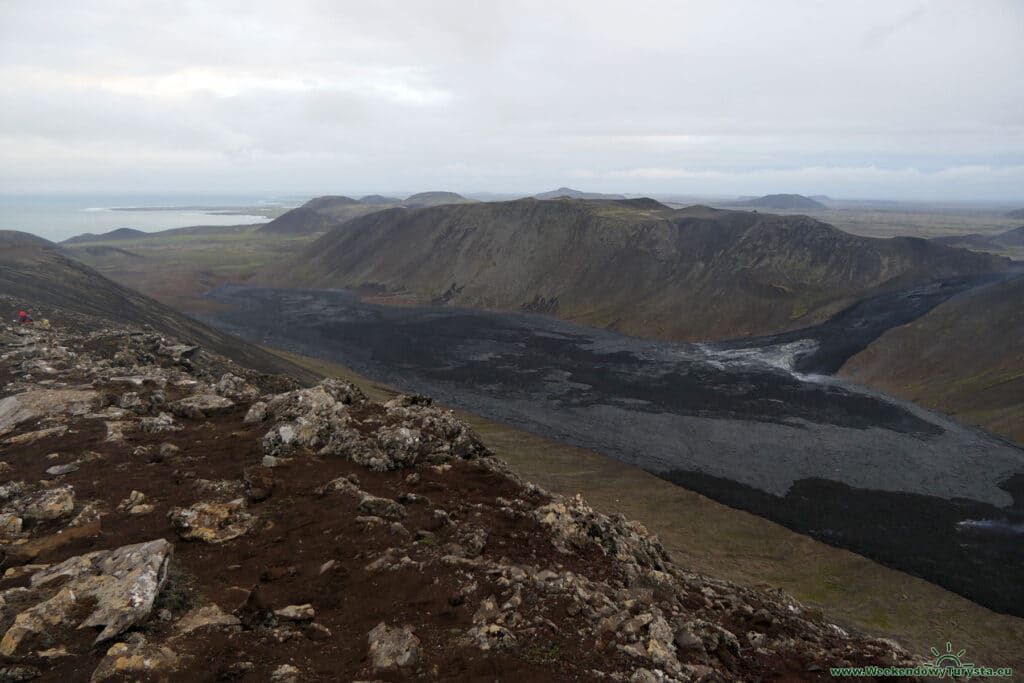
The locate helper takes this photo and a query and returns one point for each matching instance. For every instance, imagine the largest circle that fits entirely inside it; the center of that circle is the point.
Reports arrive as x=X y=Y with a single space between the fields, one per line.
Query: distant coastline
x=59 y=217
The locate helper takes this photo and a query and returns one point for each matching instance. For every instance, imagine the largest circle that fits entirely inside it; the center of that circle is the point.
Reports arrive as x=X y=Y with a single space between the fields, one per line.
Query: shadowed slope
x=965 y=357
x=36 y=272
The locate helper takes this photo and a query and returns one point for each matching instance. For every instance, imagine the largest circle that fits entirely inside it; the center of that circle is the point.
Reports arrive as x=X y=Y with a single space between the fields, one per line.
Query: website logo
x=947 y=664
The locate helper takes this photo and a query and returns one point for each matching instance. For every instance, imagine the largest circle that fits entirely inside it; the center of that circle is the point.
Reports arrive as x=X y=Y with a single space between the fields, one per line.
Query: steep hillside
x=39 y=275
x=300 y=221
x=783 y=202
x=965 y=357
x=633 y=265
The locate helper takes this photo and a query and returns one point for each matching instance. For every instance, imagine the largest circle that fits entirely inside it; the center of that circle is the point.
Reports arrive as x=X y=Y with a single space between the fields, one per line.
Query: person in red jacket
x=24 y=318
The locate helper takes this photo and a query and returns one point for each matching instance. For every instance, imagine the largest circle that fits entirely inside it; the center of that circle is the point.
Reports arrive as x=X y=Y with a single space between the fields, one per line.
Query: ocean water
x=58 y=217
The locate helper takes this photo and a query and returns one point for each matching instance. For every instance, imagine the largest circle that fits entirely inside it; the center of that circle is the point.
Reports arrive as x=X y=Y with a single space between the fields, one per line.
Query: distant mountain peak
x=782 y=202
x=576 y=194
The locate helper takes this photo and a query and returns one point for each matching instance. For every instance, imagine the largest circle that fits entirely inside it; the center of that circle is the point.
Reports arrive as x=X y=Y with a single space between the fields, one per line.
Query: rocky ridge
x=169 y=515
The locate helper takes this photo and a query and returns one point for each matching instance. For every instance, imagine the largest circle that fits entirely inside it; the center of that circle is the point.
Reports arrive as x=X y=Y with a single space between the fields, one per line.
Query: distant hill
x=782 y=202
x=1004 y=240
x=1017 y=213
x=695 y=273
x=379 y=199
x=435 y=199
x=576 y=194
x=119 y=234
x=965 y=357
x=328 y=202
x=300 y=221
x=37 y=272
x=324 y=213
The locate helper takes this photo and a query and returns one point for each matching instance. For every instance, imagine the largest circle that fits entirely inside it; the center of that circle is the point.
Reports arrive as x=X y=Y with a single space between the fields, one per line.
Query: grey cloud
x=513 y=96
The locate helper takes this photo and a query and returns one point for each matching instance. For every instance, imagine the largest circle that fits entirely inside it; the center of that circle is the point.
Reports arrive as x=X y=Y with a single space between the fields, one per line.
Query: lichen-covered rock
x=286 y=673
x=236 y=388
x=212 y=522
x=491 y=637
x=164 y=422
x=47 y=504
x=381 y=507
x=393 y=648
x=39 y=403
x=257 y=413
x=205 y=617
x=296 y=613
x=135 y=660
x=38 y=626
x=199 y=406
x=10 y=525
x=577 y=525
x=336 y=418
x=117 y=586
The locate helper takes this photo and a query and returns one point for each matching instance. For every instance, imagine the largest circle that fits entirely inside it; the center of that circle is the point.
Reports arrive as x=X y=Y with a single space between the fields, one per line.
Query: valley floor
x=848 y=466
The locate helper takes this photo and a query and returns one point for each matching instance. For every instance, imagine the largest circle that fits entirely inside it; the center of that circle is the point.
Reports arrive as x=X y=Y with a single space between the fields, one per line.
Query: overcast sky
x=900 y=99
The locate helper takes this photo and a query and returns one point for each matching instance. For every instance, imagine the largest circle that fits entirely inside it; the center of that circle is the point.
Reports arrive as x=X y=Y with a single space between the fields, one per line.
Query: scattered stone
x=10 y=525
x=134 y=499
x=381 y=507
x=60 y=470
x=296 y=613
x=203 y=617
x=164 y=422
x=491 y=637
x=392 y=648
x=212 y=522
x=29 y=438
x=199 y=406
x=286 y=673
x=134 y=660
x=48 y=504
x=257 y=413
x=116 y=430
x=19 y=673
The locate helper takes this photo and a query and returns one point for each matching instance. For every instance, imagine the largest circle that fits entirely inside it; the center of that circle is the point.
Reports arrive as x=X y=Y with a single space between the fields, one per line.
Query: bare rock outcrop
x=120 y=586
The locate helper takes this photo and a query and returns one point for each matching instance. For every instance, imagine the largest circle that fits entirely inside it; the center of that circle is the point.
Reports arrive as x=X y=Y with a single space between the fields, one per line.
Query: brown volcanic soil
x=581 y=588
x=965 y=358
x=301 y=530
